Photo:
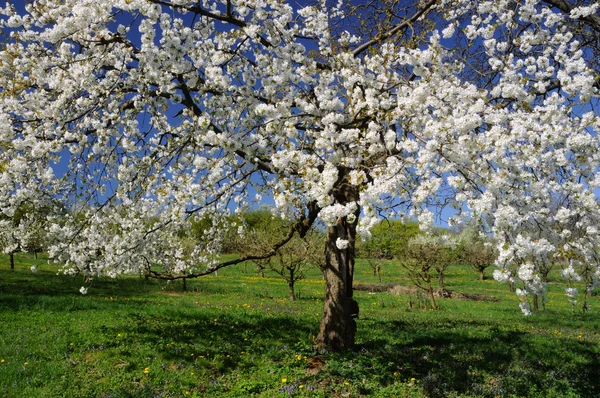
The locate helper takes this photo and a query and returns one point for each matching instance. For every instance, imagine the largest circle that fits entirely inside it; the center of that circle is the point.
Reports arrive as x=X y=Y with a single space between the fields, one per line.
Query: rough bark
x=441 y=280
x=481 y=275
x=338 y=327
x=11 y=256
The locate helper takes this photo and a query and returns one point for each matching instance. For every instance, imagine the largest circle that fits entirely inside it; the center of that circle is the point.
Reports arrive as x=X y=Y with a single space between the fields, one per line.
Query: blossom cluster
x=186 y=108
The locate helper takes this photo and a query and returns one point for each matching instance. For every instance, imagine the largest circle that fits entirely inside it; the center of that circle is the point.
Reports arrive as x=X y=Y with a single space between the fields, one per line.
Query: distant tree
x=259 y=231
x=448 y=255
x=422 y=255
x=389 y=238
x=293 y=260
x=262 y=230
x=475 y=251
x=25 y=229
x=8 y=240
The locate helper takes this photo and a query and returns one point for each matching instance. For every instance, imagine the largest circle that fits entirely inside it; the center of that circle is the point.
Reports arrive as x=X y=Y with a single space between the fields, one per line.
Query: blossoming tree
x=340 y=112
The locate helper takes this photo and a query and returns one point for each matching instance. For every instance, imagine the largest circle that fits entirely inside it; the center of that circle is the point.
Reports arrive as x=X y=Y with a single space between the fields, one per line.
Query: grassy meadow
x=237 y=335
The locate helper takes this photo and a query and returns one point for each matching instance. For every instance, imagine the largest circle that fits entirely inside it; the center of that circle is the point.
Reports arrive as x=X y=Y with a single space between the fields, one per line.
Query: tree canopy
x=341 y=112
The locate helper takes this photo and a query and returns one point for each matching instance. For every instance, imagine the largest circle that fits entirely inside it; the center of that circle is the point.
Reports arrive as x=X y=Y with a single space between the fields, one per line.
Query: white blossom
x=171 y=121
x=342 y=244
x=525 y=308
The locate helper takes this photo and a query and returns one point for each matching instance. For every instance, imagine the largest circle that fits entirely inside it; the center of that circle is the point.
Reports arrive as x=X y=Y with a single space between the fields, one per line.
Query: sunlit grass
x=236 y=334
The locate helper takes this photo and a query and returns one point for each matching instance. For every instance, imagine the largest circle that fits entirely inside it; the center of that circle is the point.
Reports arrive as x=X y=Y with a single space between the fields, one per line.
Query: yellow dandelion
x=346 y=383
x=26 y=363
x=284 y=380
x=395 y=374
x=119 y=335
x=301 y=386
x=1 y=360
x=146 y=370
x=299 y=357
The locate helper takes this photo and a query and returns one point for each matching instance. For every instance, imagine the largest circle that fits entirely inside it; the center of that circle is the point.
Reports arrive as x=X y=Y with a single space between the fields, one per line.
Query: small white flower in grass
x=83 y=290
x=341 y=244
x=33 y=268
x=525 y=308
x=571 y=292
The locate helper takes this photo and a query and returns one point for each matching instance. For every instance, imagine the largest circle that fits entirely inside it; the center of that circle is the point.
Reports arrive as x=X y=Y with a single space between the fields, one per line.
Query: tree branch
x=302 y=226
x=592 y=21
x=395 y=29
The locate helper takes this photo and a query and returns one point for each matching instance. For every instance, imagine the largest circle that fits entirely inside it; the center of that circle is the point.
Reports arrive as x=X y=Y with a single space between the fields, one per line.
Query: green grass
x=236 y=335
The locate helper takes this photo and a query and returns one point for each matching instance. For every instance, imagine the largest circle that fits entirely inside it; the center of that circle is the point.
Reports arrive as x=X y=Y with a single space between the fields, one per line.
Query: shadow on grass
x=21 y=289
x=466 y=359
x=476 y=359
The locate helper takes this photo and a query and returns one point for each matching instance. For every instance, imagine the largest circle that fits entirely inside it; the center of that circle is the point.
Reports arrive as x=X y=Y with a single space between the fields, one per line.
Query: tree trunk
x=481 y=275
x=11 y=256
x=338 y=327
x=536 y=306
x=185 y=284
x=441 y=280
x=432 y=298
x=291 y=285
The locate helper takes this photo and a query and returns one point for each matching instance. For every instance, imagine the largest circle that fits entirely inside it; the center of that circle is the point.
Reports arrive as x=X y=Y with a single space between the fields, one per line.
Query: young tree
x=477 y=254
x=387 y=239
x=167 y=108
x=293 y=260
x=424 y=254
x=8 y=241
x=260 y=232
x=25 y=230
x=448 y=255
